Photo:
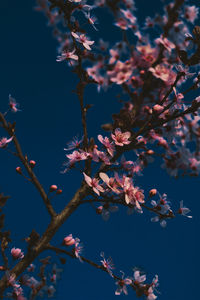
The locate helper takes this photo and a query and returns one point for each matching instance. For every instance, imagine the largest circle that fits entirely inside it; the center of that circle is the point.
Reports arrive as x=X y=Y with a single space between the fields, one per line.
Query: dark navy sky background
x=50 y=117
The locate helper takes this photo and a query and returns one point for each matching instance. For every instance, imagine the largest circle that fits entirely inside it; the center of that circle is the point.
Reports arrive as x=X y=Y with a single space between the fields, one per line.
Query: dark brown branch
x=11 y=131
x=170 y=215
x=52 y=228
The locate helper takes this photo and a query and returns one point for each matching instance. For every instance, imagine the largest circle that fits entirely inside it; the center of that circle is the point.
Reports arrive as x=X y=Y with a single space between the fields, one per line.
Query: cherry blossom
x=91 y=19
x=110 y=182
x=121 y=138
x=78 y=249
x=164 y=73
x=67 y=55
x=75 y=143
x=114 y=56
x=94 y=184
x=132 y=19
x=184 y=211
x=191 y=13
x=83 y=40
x=150 y=294
x=77 y=156
x=4 y=141
x=17 y=253
x=14 y=106
x=69 y=240
x=138 y=279
x=122 y=285
x=166 y=43
x=106 y=142
x=107 y=264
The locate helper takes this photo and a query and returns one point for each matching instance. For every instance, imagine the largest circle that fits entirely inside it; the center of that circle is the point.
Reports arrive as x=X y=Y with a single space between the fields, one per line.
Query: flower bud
x=158 y=108
x=58 y=192
x=152 y=192
x=17 y=253
x=19 y=170
x=69 y=240
x=99 y=209
x=150 y=152
x=53 y=188
x=32 y=163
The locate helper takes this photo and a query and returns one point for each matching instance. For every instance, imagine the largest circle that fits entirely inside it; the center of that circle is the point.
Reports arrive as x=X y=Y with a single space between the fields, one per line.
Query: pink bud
x=53 y=188
x=69 y=240
x=19 y=170
x=59 y=191
x=158 y=108
x=150 y=152
x=32 y=163
x=17 y=253
x=152 y=192
x=99 y=209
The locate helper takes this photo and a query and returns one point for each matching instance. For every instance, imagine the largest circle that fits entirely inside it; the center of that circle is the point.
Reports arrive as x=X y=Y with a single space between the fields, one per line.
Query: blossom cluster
x=156 y=119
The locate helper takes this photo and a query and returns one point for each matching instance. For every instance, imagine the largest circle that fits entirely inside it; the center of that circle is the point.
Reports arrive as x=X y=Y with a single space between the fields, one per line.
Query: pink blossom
x=106 y=142
x=114 y=56
x=158 y=108
x=152 y=192
x=67 y=55
x=78 y=249
x=147 y=53
x=94 y=184
x=191 y=13
x=97 y=156
x=178 y=97
x=91 y=19
x=161 y=141
x=122 y=285
x=4 y=141
x=149 y=23
x=120 y=138
x=17 y=253
x=77 y=156
x=164 y=73
x=107 y=264
x=166 y=43
x=69 y=240
x=150 y=294
x=184 y=71
x=110 y=182
x=122 y=23
x=121 y=72
x=83 y=40
x=55 y=273
x=127 y=164
x=139 y=279
x=75 y=143
x=13 y=104
x=129 y=16
x=184 y=211
x=133 y=195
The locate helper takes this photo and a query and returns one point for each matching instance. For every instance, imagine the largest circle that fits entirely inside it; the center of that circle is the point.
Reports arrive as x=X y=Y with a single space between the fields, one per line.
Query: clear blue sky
x=50 y=117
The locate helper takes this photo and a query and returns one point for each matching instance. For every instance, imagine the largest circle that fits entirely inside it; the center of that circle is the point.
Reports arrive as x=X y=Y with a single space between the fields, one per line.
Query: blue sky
x=50 y=117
